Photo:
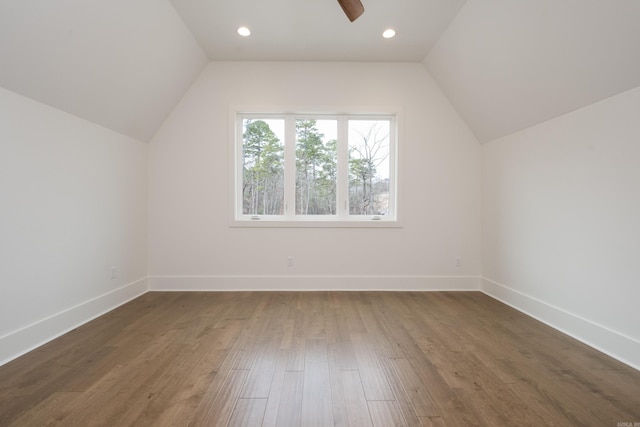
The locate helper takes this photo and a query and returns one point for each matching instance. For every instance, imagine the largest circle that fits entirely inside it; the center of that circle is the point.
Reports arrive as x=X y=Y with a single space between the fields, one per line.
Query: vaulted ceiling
x=504 y=64
x=118 y=63
x=510 y=64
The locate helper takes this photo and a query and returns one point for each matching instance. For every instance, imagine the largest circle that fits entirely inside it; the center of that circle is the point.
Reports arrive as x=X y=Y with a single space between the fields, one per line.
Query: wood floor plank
x=260 y=378
x=357 y=409
x=316 y=358
x=218 y=411
x=50 y=411
x=446 y=402
x=376 y=384
x=248 y=413
x=432 y=422
x=338 y=337
x=316 y=393
x=290 y=405
x=400 y=394
x=199 y=371
x=297 y=344
x=420 y=401
x=276 y=390
x=111 y=398
x=385 y=413
x=338 y=394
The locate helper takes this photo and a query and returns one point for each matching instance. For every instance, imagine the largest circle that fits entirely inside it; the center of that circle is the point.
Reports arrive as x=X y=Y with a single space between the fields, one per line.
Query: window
x=314 y=170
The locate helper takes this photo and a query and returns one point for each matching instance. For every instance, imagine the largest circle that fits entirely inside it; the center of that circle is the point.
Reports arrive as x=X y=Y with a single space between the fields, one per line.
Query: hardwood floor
x=317 y=359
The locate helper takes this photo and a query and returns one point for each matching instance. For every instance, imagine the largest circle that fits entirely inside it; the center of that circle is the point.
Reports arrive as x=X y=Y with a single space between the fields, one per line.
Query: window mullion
x=290 y=167
x=239 y=163
x=342 y=186
x=393 y=164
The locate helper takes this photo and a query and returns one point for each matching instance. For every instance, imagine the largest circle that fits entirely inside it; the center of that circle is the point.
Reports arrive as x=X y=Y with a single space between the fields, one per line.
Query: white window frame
x=290 y=219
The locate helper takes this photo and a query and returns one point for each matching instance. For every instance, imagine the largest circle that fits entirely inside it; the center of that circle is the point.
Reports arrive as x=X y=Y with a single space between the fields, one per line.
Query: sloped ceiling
x=509 y=64
x=504 y=64
x=119 y=63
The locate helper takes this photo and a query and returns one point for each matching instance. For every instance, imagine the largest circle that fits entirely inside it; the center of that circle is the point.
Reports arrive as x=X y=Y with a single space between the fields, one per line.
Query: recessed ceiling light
x=244 y=31
x=388 y=33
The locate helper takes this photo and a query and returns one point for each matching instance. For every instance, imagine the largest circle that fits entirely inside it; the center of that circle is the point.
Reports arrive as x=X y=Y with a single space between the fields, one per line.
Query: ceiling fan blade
x=352 y=8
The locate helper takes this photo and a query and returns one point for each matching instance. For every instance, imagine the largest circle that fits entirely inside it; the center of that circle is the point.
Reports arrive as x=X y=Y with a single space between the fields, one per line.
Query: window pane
x=263 y=167
x=316 y=167
x=369 y=165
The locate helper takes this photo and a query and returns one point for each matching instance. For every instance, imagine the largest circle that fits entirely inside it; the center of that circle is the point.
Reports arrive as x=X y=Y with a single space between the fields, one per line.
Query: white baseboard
x=314 y=283
x=612 y=343
x=22 y=341
x=619 y=346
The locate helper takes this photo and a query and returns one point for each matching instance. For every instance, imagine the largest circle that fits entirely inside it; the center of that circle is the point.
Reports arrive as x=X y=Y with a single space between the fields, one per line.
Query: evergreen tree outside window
x=262 y=168
x=316 y=168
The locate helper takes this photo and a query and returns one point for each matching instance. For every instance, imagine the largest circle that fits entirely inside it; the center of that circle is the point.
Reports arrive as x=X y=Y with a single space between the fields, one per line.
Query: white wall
x=562 y=223
x=192 y=246
x=73 y=204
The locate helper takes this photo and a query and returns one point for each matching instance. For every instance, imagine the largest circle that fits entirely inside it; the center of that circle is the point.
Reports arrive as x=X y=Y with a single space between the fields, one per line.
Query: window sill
x=266 y=222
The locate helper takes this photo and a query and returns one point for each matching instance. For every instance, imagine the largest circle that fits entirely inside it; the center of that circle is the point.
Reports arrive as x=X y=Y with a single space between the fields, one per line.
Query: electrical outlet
x=458 y=262
x=289 y=261
x=114 y=272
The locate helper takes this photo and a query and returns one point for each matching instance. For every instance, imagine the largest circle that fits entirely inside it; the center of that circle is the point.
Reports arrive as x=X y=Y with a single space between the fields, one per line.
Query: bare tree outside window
x=369 y=150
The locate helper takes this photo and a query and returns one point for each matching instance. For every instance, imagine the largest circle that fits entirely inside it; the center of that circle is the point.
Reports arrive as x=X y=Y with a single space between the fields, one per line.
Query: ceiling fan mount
x=352 y=8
